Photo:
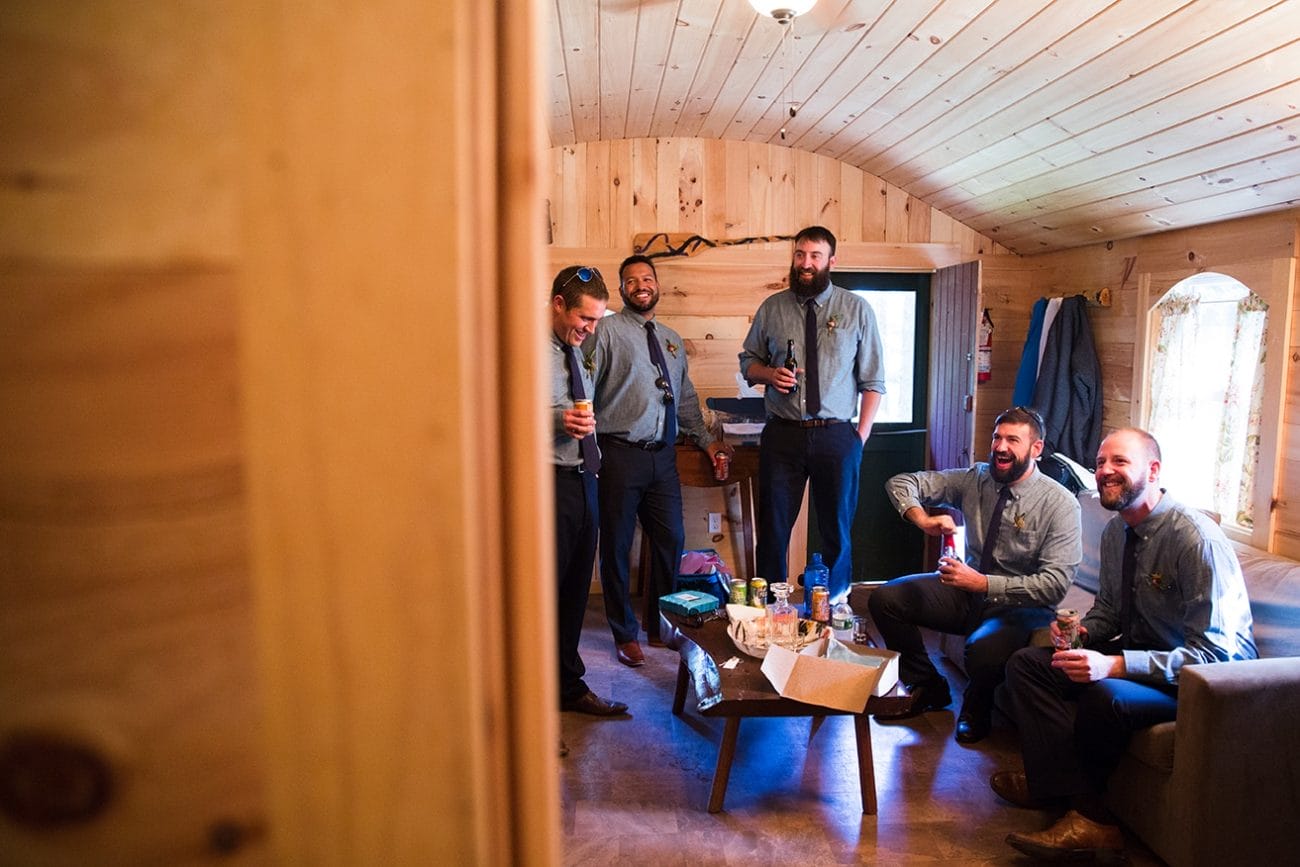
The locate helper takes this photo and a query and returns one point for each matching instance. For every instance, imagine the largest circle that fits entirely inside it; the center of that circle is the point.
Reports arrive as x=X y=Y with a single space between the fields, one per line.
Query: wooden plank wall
x=1222 y=246
x=603 y=193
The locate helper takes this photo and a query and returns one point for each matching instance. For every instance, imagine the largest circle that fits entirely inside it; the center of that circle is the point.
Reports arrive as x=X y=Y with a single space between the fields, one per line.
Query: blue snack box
x=688 y=602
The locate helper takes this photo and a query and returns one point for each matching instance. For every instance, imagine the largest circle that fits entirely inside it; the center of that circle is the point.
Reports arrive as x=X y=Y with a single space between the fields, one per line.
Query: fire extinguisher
x=984 y=363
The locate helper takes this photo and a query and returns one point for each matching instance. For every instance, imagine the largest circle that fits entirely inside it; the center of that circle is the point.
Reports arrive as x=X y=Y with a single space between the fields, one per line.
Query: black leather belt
x=646 y=446
x=807 y=422
x=560 y=468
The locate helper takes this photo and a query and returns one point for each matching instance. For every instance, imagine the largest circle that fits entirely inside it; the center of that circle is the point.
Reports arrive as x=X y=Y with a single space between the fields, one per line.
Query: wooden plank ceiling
x=1044 y=124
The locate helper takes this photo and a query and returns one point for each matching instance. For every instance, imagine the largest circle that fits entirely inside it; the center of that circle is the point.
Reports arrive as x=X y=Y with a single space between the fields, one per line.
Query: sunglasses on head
x=584 y=274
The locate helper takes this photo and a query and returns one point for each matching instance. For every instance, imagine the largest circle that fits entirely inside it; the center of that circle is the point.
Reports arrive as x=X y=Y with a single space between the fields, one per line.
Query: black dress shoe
x=590 y=703
x=972 y=728
x=925 y=697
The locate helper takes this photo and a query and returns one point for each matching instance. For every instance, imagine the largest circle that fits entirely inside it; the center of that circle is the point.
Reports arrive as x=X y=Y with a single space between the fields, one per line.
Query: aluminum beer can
x=739 y=591
x=821 y=604
x=721 y=466
x=758 y=593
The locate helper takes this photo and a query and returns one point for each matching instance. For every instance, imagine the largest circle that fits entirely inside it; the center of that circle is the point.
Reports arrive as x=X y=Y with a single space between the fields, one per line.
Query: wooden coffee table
x=744 y=691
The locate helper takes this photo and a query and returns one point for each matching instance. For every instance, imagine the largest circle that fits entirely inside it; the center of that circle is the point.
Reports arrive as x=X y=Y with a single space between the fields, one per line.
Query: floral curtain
x=1206 y=401
x=1173 y=397
x=1238 y=450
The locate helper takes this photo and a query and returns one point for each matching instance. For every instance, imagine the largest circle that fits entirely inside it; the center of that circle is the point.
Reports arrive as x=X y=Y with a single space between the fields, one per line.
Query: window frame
x=1271 y=280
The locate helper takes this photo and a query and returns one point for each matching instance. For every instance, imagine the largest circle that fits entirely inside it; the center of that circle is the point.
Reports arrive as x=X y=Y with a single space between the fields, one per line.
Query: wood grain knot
x=47 y=780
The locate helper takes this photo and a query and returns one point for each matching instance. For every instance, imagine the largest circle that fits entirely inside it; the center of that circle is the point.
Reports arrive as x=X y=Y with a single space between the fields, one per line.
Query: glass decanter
x=783 y=617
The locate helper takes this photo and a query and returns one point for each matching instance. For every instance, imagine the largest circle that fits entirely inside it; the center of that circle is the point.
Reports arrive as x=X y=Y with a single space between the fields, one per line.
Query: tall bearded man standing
x=810 y=437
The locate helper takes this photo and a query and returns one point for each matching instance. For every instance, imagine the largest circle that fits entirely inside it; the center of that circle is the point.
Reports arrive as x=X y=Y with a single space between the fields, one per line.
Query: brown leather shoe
x=1012 y=787
x=629 y=653
x=564 y=748
x=655 y=641
x=592 y=704
x=1073 y=838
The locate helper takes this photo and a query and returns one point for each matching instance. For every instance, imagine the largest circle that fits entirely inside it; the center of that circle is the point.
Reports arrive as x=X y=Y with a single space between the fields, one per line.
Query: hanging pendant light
x=783 y=11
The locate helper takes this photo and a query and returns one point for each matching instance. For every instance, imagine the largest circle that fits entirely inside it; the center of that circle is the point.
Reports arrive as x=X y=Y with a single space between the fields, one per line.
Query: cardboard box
x=832 y=674
x=689 y=602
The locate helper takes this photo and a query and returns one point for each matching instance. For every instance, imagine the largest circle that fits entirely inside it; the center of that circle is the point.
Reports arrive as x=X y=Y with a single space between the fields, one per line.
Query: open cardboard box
x=832 y=674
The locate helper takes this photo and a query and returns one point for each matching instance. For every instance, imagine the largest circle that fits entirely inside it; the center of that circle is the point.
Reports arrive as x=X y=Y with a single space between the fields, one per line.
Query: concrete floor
x=635 y=789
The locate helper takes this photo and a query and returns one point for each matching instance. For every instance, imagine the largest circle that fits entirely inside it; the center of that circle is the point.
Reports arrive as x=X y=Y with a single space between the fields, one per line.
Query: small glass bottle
x=791 y=363
x=784 y=617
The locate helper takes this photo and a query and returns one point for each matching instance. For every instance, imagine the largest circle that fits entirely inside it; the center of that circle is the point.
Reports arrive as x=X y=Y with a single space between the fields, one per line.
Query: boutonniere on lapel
x=1020 y=521
x=589 y=362
x=832 y=324
x=672 y=347
x=1160 y=582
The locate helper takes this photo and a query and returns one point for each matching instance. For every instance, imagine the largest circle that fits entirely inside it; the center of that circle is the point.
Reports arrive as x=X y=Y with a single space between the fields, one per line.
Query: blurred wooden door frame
x=394 y=294
x=276 y=528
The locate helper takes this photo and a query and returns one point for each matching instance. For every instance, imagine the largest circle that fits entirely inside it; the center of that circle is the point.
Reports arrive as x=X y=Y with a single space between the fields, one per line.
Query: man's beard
x=1013 y=473
x=1128 y=494
x=628 y=301
x=821 y=278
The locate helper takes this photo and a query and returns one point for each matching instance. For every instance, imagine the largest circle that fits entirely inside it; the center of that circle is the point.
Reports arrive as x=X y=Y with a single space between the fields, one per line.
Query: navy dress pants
x=827 y=459
x=1073 y=734
x=635 y=483
x=993 y=632
x=575 y=556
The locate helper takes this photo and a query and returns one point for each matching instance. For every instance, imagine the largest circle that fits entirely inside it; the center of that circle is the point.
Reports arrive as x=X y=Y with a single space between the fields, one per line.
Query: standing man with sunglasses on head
x=644 y=396
x=578 y=298
x=809 y=437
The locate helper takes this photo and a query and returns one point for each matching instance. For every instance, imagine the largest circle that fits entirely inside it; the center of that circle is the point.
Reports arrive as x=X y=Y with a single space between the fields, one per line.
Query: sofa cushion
x=1154 y=747
x=1273 y=585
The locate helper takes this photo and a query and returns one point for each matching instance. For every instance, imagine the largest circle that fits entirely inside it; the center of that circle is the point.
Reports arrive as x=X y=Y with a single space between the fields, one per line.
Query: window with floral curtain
x=1206 y=393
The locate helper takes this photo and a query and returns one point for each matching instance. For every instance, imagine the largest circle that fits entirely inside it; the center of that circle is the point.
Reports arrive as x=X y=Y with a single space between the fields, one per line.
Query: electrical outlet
x=715 y=522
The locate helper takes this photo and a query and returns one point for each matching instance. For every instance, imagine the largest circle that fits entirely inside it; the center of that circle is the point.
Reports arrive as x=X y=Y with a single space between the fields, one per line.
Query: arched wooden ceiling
x=1044 y=124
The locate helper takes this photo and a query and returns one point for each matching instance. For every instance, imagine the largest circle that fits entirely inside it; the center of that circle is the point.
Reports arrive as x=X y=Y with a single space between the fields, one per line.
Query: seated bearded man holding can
x=1023 y=547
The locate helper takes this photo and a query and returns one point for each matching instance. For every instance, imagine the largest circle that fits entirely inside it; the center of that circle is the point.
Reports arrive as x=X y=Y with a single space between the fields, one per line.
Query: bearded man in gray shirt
x=1171 y=594
x=644 y=396
x=1022 y=549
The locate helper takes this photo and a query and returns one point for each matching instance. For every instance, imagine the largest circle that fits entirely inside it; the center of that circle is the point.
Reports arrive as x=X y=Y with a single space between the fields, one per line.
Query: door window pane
x=896 y=318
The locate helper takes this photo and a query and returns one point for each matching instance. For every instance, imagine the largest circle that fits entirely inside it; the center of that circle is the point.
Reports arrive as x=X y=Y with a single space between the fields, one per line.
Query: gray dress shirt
x=1190 y=605
x=848 y=350
x=1039 y=546
x=566 y=450
x=628 y=402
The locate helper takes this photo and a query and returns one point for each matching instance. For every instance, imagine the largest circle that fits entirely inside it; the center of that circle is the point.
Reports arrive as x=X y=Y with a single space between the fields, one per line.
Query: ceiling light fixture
x=783 y=11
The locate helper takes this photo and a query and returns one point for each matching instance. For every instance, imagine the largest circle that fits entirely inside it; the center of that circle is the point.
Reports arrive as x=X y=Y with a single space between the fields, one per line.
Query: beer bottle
x=791 y=363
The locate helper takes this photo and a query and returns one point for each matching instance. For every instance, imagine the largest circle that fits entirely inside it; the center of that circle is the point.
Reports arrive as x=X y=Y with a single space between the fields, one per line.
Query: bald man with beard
x=1171 y=594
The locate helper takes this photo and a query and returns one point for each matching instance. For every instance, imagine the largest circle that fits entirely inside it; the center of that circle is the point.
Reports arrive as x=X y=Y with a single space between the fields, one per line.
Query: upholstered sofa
x=1221 y=784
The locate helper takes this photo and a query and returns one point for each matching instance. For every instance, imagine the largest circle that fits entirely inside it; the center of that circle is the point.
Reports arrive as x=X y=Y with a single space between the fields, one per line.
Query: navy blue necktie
x=670 y=405
x=995 y=530
x=812 y=392
x=1128 y=573
x=586 y=445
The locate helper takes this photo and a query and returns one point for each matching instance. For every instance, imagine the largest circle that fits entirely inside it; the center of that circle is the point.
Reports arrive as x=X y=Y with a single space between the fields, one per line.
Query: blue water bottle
x=814 y=574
